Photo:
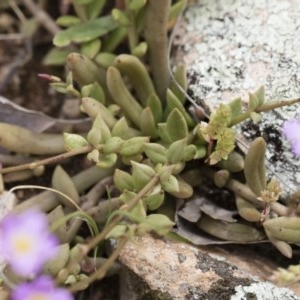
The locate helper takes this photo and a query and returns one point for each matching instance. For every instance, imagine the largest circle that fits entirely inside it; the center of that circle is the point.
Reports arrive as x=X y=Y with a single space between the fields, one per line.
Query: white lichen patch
x=263 y=291
x=232 y=47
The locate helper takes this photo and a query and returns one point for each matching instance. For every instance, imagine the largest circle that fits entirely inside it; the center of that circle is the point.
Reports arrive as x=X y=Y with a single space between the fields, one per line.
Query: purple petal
x=26 y=242
x=41 y=288
x=30 y=220
x=296 y=149
x=291 y=130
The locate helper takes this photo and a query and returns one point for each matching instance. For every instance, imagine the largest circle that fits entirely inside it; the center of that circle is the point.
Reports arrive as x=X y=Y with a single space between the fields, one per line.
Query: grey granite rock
x=232 y=48
x=165 y=270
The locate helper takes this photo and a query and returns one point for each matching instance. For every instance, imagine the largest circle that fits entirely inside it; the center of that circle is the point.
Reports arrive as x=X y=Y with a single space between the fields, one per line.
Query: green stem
x=114 y=39
x=263 y=108
x=14 y=159
x=96 y=192
x=46 y=201
x=94 y=242
x=49 y=160
x=99 y=274
x=80 y=12
x=102 y=211
x=245 y=192
x=131 y=29
x=156 y=29
x=85 y=249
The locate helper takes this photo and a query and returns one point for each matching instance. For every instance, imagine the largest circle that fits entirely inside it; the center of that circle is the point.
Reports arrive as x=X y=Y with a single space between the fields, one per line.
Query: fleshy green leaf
x=163 y=133
x=148 y=124
x=155 y=105
x=82 y=2
x=112 y=145
x=123 y=180
x=94 y=91
x=175 y=152
x=105 y=59
x=255 y=117
x=253 y=101
x=140 y=50
x=158 y=223
x=176 y=125
x=133 y=145
x=91 y=48
x=62 y=182
x=107 y=160
x=189 y=152
x=56 y=57
x=67 y=21
x=94 y=156
x=137 y=4
x=174 y=102
x=156 y=152
x=95 y=8
x=84 y=32
x=260 y=94
x=117 y=232
x=141 y=174
x=155 y=199
x=127 y=196
x=170 y=184
x=74 y=141
x=236 y=107
x=120 y=17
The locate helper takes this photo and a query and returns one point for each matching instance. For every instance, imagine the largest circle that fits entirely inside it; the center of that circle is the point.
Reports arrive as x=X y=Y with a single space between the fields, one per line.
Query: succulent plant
x=142 y=135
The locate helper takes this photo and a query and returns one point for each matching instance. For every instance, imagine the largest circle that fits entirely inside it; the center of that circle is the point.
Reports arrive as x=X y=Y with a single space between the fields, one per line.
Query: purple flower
x=42 y=288
x=291 y=130
x=26 y=243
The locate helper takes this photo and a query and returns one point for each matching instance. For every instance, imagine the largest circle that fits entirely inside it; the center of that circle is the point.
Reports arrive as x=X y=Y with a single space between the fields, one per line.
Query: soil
x=19 y=79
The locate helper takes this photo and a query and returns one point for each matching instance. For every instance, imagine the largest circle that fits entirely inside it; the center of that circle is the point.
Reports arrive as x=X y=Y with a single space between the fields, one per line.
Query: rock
x=233 y=47
x=167 y=270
